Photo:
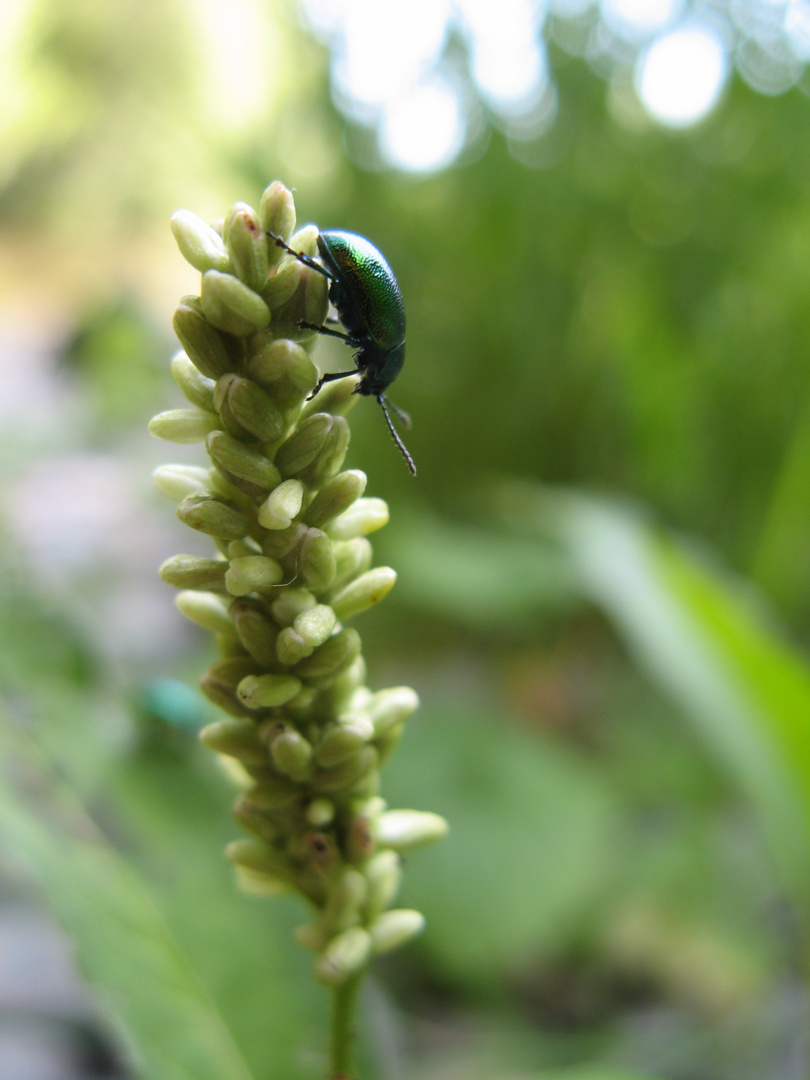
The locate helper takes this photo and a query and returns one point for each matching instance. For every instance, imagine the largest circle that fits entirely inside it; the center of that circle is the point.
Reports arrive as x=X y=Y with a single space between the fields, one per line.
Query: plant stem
x=342 y=1034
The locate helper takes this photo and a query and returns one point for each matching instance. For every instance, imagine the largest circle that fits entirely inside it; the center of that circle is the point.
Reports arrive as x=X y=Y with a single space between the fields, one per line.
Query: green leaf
x=708 y=641
x=172 y=1027
x=477 y=577
x=534 y=831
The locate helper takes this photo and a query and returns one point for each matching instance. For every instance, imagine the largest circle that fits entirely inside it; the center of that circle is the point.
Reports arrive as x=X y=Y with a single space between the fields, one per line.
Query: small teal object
x=366 y=295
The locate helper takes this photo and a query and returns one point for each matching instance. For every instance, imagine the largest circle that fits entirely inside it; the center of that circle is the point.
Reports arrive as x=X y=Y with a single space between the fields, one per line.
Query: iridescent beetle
x=366 y=296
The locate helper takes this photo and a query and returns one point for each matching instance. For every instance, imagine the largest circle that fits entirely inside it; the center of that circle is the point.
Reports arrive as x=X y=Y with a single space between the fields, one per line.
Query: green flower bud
x=242 y=462
x=276 y=793
x=229 y=305
x=267 y=691
x=337 y=398
x=341 y=741
x=290 y=604
x=199 y=244
x=210 y=351
x=316 y=624
x=192 y=572
x=341 y=777
x=236 y=738
x=282 y=505
x=346 y=901
x=280 y=542
x=388 y=708
x=364 y=592
x=386 y=744
x=316 y=560
x=219 y=685
x=256 y=883
x=304 y=445
x=213 y=516
x=247 y=246
x=292 y=755
x=255 y=630
x=336 y=496
x=344 y=956
x=252 y=573
x=384 y=875
x=256 y=855
x=282 y=284
x=250 y=408
x=291 y=647
x=254 y=819
x=339 y=696
x=183 y=425
x=240 y=549
x=277 y=215
x=364 y=517
x=283 y=360
x=406 y=829
x=206 y=610
x=311 y=935
x=331 y=658
x=352 y=558
x=395 y=928
x=320 y=812
x=198 y=389
x=309 y=303
x=331 y=455
x=178 y=481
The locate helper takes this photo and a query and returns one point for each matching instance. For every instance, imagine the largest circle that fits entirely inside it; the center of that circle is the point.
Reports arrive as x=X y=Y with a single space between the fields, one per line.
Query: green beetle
x=366 y=295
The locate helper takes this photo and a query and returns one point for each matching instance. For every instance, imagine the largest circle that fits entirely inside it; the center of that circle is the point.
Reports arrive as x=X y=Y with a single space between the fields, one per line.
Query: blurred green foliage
x=619 y=726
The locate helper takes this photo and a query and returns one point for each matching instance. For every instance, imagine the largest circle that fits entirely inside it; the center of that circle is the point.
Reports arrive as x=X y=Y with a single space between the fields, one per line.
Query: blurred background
x=599 y=216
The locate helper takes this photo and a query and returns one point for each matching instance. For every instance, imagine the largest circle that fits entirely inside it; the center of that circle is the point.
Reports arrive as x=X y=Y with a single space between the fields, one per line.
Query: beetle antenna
x=395 y=435
x=307 y=260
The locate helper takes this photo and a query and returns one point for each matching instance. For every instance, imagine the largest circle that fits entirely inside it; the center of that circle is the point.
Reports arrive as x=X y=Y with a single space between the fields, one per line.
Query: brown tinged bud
x=247 y=246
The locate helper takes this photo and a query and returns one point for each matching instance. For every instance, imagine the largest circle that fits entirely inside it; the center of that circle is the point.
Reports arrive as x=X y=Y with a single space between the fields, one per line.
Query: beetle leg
x=326 y=330
x=331 y=376
x=307 y=260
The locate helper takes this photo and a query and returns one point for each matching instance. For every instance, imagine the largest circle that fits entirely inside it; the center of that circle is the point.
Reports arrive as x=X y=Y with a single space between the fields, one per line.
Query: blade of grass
x=170 y=1026
x=707 y=641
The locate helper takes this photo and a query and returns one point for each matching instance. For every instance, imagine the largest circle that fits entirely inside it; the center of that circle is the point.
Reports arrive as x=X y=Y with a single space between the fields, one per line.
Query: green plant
x=304 y=737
